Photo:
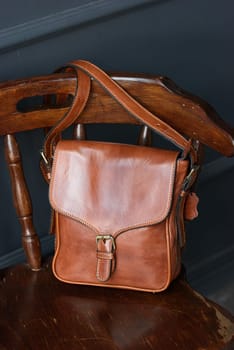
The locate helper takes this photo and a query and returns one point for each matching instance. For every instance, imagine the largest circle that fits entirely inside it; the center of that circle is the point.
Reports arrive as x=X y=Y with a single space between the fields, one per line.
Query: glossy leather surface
x=112 y=187
x=126 y=193
x=116 y=192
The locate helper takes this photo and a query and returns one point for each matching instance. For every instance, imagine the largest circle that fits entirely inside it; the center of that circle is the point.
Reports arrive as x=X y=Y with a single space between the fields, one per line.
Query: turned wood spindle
x=22 y=202
x=145 y=136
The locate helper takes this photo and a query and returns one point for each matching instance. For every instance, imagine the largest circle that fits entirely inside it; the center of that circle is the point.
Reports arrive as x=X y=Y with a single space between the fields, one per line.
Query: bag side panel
x=174 y=242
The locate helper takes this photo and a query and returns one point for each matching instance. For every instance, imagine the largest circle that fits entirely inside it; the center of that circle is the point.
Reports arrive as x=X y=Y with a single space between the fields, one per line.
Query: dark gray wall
x=189 y=41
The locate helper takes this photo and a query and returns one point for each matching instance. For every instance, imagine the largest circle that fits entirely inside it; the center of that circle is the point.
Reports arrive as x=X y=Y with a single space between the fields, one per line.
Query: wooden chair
x=39 y=312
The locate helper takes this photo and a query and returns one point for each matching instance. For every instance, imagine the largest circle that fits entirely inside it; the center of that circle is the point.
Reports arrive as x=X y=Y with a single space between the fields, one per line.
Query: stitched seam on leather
x=57 y=247
x=101 y=276
x=53 y=204
x=169 y=260
x=108 y=285
x=84 y=222
x=161 y=288
x=102 y=284
x=106 y=256
x=166 y=211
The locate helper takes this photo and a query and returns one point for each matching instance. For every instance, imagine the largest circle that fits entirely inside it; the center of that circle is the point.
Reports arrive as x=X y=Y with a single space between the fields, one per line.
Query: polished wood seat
x=39 y=312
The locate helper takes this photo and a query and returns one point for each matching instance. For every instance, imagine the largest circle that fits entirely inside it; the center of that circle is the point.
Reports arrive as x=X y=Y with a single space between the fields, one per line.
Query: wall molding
x=17 y=256
x=33 y=30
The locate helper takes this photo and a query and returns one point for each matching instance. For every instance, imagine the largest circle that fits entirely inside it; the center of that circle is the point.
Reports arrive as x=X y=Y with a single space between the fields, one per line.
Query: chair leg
x=22 y=202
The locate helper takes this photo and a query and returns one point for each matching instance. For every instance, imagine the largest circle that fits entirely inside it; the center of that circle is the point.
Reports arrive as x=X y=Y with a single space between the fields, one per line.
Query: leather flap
x=112 y=187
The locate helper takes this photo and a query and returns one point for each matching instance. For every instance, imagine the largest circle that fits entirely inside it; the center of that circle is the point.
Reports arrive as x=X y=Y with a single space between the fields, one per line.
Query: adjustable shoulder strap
x=131 y=105
x=79 y=102
x=86 y=71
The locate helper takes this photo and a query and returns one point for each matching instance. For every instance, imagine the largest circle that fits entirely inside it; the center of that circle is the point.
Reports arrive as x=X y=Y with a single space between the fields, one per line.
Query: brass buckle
x=44 y=157
x=187 y=182
x=106 y=237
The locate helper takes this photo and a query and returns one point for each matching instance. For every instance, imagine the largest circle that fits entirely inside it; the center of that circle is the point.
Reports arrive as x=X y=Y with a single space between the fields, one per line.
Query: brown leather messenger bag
x=119 y=208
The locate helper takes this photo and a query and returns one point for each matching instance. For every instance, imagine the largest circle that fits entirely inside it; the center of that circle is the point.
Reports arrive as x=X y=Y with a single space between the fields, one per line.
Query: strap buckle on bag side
x=45 y=165
x=81 y=96
x=105 y=256
x=190 y=178
x=44 y=158
x=185 y=189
